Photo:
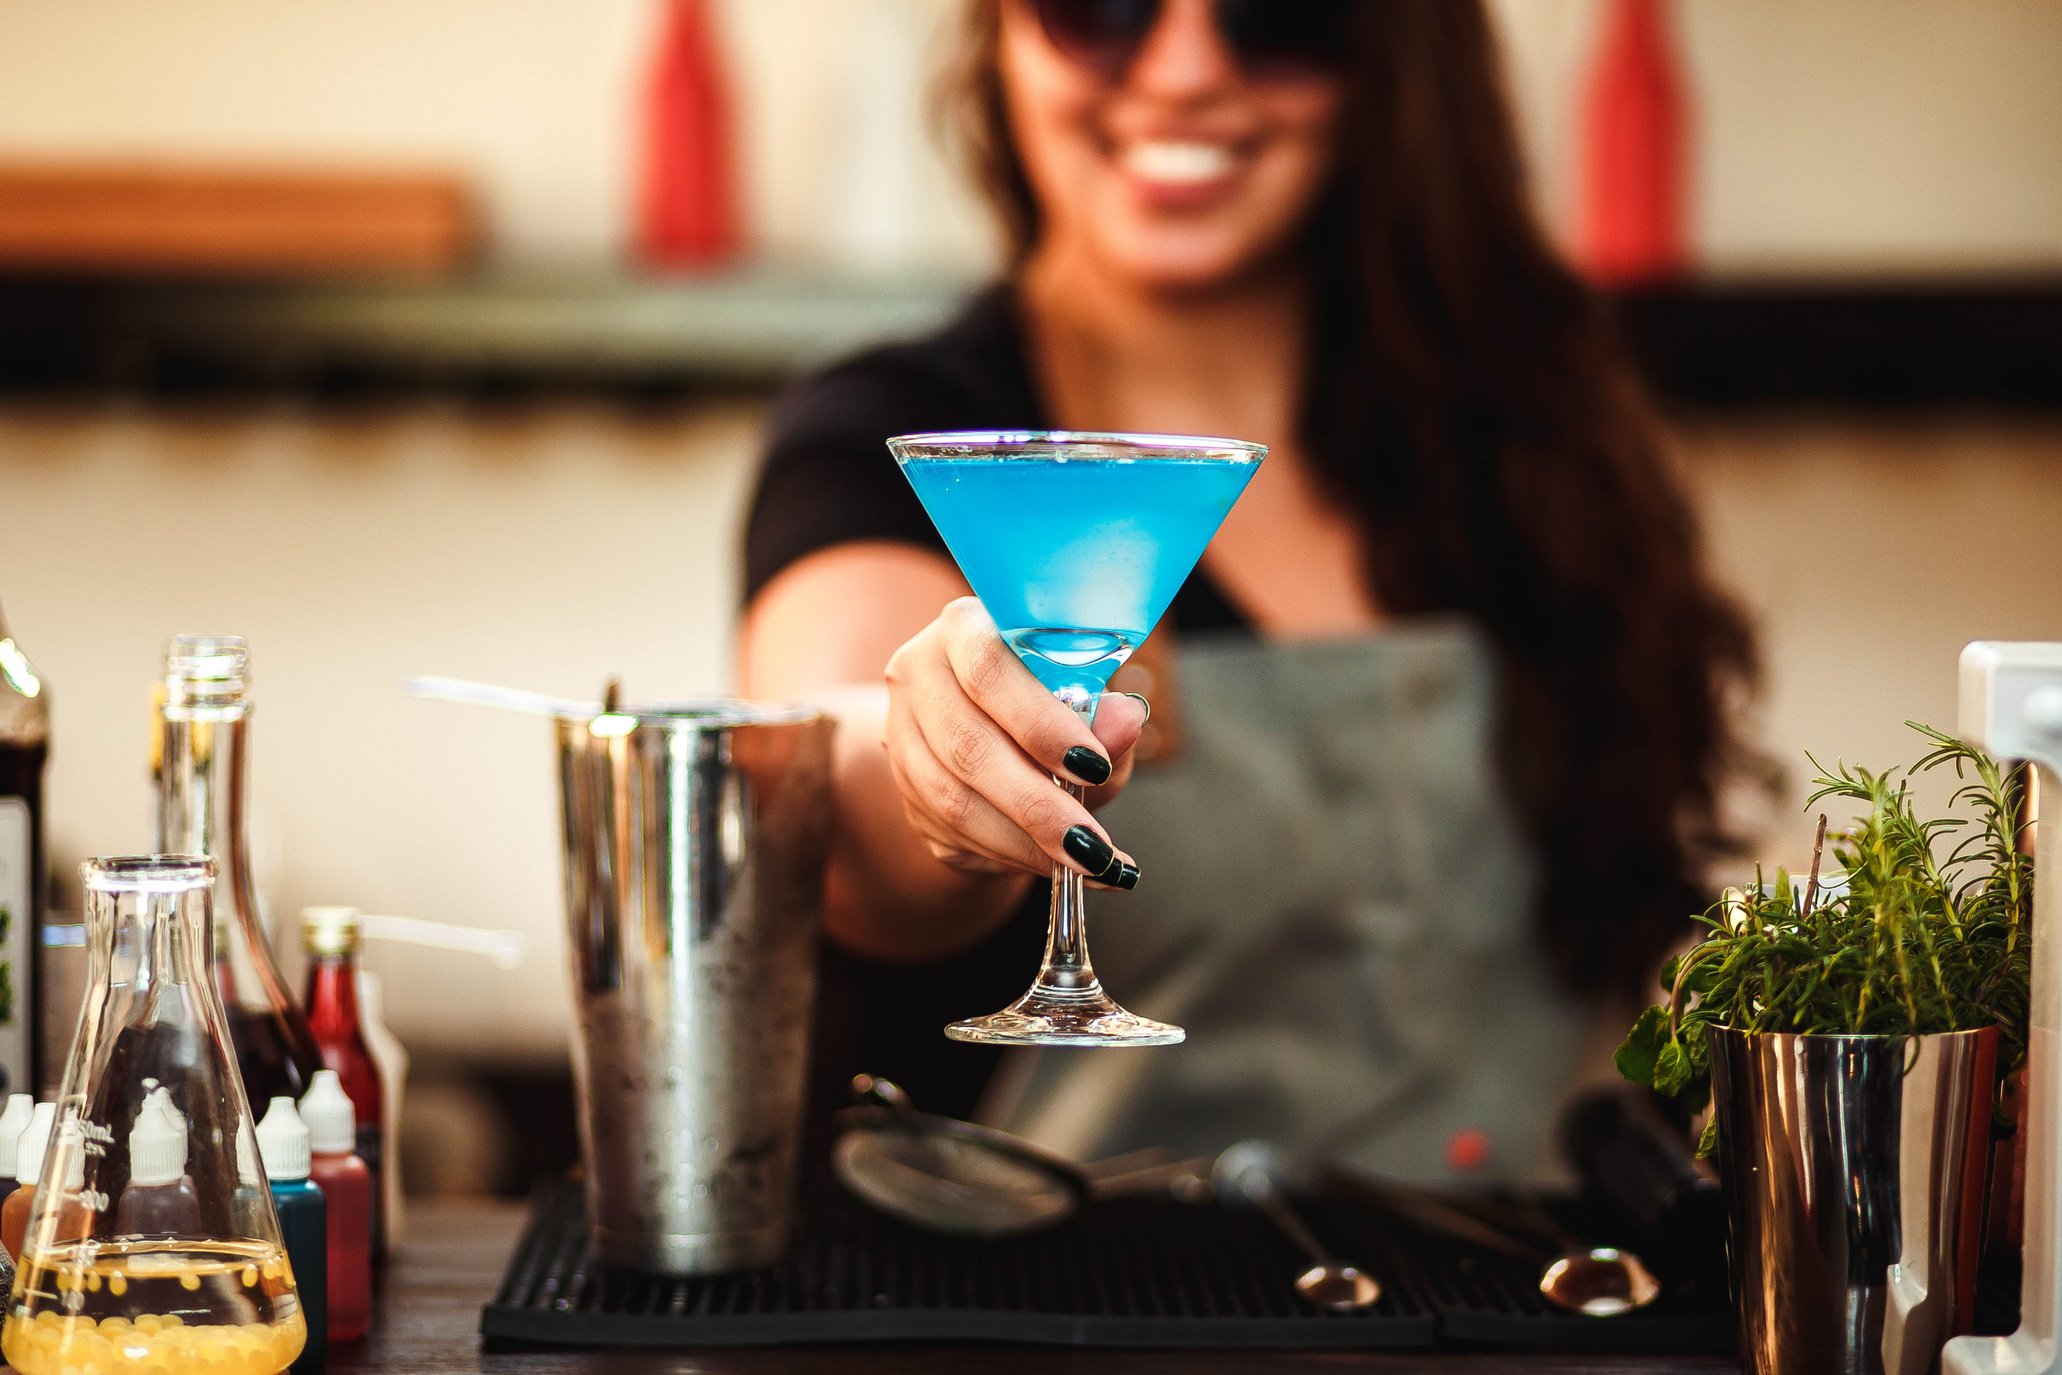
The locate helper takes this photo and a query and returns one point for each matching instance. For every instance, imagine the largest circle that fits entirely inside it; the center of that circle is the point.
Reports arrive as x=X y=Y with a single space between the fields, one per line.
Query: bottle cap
x=35 y=1144
x=208 y=658
x=71 y=1138
x=13 y=1122
x=203 y=671
x=326 y=1108
x=329 y=932
x=283 y=1141
x=249 y=1173
x=157 y=1143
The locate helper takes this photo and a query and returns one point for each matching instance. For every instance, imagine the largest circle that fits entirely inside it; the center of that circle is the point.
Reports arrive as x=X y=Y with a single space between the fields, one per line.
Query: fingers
x=989 y=673
x=1119 y=721
x=982 y=764
x=959 y=826
x=965 y=829
x=973 y=741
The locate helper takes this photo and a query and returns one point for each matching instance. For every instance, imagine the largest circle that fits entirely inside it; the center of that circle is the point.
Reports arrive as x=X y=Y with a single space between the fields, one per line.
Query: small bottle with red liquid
x=346 y=1186
x=331 y=936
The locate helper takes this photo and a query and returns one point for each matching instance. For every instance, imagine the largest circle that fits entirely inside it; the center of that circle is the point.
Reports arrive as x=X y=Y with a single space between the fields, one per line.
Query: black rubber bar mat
x=1125 y=1273
x=1485 y=1297
x=1134 y=1272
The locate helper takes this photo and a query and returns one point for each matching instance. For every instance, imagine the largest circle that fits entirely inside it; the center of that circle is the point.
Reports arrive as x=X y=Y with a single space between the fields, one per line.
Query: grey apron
x=1337 y=906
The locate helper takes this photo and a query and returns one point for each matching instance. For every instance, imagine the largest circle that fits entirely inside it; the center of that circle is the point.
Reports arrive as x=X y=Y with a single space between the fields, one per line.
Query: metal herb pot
x=694 y=848
x=1854 y=1170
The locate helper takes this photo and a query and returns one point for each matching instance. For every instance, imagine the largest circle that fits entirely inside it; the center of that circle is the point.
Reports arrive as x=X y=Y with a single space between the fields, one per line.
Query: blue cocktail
x=1075 y=543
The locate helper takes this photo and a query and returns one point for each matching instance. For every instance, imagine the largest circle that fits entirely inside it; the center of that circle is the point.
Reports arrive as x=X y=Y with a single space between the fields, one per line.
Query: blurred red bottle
x=331 y=937
x=1630 y=224
x=688 y=207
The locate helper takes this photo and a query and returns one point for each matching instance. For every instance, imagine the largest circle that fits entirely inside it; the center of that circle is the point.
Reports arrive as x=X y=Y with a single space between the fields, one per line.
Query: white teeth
x=1165 y=160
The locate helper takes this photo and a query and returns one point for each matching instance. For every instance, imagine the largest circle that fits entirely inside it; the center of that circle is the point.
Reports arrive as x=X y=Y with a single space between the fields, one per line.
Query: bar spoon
x=1250 y=1173
x=1595 y=1281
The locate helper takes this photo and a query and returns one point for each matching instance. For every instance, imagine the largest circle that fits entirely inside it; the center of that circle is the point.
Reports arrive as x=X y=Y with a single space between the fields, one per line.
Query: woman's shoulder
x=827 y=477
x=968 y=374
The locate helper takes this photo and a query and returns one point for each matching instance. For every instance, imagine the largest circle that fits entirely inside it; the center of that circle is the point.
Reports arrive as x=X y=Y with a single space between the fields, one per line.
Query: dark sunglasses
x=1267 y=36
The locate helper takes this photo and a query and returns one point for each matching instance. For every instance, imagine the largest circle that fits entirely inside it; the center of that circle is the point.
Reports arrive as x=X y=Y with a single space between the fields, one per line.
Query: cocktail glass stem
x=1065 y=1004
x=1068 y=973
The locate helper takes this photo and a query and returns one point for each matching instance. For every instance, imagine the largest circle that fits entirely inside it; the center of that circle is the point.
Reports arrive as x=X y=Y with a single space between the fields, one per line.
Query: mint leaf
x=1635 y=1059
x=1672 y=1069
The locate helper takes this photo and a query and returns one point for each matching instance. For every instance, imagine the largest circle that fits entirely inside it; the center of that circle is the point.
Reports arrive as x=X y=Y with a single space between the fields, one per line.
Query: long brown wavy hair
x=1468 y=401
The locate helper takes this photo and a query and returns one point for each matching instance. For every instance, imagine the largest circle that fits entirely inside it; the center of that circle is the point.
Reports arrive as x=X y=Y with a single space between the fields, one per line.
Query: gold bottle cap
x=328 y=932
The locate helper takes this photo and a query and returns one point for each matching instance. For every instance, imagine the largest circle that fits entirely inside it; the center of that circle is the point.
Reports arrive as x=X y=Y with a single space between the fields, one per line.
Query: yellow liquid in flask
x=113 y=1307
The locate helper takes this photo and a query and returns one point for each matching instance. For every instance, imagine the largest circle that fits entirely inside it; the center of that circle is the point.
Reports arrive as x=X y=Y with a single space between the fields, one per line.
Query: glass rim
x=978 y=444
x=147 y=873
x=1869 y=1037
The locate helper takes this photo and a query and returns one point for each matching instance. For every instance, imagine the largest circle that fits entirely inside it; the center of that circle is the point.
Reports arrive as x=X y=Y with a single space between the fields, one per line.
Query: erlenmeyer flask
x=152 y=1043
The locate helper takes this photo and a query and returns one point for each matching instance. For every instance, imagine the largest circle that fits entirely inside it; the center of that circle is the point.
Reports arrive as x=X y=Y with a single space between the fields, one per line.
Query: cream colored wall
x=549 y=547
x=546 y=549
x=1872 y=551
x=1879 y=134
x=1852 y=135
x=534 y=100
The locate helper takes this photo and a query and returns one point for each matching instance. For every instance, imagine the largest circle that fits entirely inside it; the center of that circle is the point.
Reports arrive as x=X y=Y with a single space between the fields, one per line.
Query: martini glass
x=1075 y=543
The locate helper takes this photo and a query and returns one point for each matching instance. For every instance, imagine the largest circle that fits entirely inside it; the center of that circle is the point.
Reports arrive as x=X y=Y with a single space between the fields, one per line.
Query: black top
x=829 y=479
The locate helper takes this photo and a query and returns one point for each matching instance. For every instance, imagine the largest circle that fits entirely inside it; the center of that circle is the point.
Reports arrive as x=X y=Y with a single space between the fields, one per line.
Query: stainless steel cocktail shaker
x=694 y=850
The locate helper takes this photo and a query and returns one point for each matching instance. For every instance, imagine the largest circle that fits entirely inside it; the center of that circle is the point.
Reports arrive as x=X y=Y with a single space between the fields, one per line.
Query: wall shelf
x=1712 y=345
x=497 y=329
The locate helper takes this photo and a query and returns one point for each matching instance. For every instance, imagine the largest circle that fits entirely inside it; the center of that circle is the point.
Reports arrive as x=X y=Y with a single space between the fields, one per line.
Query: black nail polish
x=1088 y=850
x=1127 y=877
x=1086 y=765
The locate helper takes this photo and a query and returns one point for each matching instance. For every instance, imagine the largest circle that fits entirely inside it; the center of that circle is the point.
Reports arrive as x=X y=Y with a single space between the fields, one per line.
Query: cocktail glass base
x=1043 y=1018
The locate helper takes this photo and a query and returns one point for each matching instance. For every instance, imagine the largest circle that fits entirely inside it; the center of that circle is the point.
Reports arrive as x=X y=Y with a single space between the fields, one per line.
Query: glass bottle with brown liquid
x=203 y=747
x=24 y=749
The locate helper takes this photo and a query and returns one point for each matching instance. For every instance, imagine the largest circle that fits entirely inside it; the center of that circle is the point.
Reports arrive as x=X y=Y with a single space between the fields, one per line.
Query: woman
x=1453 y=687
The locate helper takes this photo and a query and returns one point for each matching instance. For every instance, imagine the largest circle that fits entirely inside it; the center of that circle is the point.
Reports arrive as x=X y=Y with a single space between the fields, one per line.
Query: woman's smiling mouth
x=1180 y=172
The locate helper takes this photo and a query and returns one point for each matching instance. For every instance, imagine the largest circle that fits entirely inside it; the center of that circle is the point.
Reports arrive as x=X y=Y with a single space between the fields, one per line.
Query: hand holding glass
x=1075 y=543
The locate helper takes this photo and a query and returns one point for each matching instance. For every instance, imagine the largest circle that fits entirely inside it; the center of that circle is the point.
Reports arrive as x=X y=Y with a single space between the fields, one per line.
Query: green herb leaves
x=1637 y=1058
x=1929 y=930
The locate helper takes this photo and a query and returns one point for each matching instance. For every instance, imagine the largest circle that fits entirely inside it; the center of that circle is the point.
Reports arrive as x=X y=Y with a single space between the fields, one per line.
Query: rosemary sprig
x=1930 y=932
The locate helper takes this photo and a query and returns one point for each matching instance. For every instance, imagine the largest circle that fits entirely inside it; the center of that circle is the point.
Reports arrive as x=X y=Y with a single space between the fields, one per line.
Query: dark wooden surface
x=428 y=1324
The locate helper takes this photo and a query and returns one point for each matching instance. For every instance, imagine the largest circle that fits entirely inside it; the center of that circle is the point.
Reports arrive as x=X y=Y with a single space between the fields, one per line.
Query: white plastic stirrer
x=2012 y=707
x=443 y=689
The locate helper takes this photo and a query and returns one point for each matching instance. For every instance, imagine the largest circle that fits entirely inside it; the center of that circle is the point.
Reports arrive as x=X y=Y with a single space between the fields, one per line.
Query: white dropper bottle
x=28 y=1165
x=159 y=1197
x=13 y=1122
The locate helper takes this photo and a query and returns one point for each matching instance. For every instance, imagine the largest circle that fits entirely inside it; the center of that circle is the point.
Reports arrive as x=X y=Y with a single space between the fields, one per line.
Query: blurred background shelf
x=1993 y=343
x=548 y=331
x=1718 y=344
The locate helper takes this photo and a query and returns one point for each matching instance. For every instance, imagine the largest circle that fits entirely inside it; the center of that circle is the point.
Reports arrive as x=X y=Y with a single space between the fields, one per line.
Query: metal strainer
x=945 y=1175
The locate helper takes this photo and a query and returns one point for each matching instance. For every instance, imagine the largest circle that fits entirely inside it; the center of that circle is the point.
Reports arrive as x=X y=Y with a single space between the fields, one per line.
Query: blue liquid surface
x=1076 y=558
